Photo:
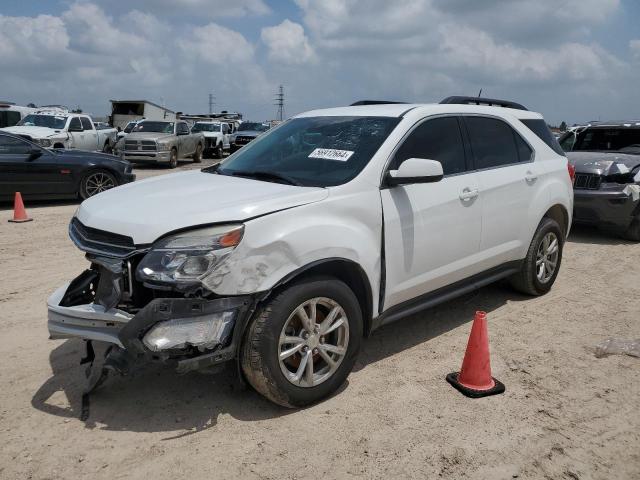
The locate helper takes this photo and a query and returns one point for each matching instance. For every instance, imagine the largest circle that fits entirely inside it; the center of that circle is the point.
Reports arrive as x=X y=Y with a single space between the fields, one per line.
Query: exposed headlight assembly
x=163 y=147
x=44 y=142
x=182 y=260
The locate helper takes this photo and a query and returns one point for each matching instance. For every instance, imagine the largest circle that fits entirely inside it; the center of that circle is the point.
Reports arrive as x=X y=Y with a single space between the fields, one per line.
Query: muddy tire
x=542 y=263
x=197 y=157
x=633 y=232
x=173 y=158
x=320 y=321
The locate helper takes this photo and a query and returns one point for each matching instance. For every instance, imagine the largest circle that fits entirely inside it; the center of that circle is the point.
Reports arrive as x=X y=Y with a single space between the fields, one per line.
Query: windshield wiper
x=262 y=175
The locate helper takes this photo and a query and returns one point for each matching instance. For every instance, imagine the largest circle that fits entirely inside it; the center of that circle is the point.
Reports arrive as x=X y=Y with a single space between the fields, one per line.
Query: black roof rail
x=373 y=102
x=493 y=102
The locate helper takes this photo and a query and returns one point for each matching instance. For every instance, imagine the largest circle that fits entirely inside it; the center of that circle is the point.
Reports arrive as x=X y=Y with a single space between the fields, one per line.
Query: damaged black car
x=606 y=157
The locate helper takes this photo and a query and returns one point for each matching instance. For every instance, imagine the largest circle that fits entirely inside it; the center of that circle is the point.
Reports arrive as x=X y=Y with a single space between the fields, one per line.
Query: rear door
x=507 y=176
x=431 y=230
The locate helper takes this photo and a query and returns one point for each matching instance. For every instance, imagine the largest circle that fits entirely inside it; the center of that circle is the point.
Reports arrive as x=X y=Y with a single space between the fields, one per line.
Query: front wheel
x=218 y=152
x=542 y=263
x=300 y=347
x=197 y=157
x=633 y=232
x=173 y=158
x=96 y=182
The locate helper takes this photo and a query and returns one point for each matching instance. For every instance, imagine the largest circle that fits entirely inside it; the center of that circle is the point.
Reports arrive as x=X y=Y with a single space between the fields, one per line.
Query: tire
x=95 y=182
x=528 y=280
x=218 y=152
x=633 y=232
x=263 y=345
x=173 y=158
x=197 y=157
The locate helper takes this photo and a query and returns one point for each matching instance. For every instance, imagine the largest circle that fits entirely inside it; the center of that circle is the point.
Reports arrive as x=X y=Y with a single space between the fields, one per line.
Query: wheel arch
x=343 y=269
x=559 y=213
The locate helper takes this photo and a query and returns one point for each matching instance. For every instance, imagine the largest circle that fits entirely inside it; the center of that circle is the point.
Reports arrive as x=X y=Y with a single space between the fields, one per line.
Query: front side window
x=313 y=151
x=75 y=124
x=437 y=139
x=183 y=128
x=493 y=142
x=13 y=146
x=154 y=127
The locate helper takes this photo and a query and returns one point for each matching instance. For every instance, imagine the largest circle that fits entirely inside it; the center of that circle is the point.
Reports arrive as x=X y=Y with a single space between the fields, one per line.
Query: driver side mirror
x=415 y=170
x=34 y=153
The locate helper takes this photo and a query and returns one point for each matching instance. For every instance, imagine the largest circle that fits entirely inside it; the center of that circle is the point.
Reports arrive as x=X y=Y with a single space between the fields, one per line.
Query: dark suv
x=606 y=156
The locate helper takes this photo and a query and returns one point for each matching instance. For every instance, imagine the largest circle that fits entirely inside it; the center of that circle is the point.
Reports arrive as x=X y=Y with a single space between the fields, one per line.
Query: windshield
x=315 y=151
x=49 y=121
x=250 y=126
x=157 y=127
x=206 y=127
x=623 y=139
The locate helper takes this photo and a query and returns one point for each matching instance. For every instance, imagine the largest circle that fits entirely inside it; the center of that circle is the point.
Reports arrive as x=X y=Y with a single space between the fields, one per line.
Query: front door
x=431 y=230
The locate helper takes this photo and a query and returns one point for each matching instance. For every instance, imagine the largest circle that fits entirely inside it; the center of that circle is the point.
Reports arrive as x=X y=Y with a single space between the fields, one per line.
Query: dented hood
x=148 y=209
x=603 y=163
x=35 y=132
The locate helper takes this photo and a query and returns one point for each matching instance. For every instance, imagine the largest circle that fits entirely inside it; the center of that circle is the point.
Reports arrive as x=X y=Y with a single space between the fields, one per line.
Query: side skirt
x=445 y=294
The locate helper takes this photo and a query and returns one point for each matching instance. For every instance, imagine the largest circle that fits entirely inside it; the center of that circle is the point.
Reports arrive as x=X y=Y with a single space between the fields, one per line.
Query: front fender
x=276 y=245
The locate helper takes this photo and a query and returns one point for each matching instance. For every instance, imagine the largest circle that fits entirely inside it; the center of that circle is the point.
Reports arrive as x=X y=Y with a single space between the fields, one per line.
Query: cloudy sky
x=572 y=60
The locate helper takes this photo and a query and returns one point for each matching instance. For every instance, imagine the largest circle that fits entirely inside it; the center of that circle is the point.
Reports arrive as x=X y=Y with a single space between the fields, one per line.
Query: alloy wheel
x=313 y=342
x=547 y=257
x=98 y=182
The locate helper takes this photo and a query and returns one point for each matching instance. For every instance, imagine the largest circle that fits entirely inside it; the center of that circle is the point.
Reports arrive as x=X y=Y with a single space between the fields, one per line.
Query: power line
x=280 y=103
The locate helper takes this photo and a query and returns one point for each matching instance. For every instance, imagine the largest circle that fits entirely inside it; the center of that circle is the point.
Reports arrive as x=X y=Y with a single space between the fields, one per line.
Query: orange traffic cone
x=474 y=379
x=19 y=213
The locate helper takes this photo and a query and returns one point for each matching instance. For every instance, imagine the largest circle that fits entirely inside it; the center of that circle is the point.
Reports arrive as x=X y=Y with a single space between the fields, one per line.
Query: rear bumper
x=611 y=207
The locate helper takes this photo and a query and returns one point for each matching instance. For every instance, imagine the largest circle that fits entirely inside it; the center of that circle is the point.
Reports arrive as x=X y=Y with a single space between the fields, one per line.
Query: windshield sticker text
x=331 y=154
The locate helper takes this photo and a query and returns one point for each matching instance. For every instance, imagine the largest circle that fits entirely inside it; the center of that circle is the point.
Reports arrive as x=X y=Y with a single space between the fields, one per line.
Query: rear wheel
x=197 y=157
x=301 y=346
x=633 y=232
x=542 y=263
x=173 y=158
x=96 y=182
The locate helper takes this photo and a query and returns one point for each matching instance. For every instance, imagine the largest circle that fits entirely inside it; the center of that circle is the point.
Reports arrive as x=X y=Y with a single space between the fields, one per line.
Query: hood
x=85 y=154
x=35 y=132
x=148 y=136
x=146 y=210
x=603 y=163
x=210 y=134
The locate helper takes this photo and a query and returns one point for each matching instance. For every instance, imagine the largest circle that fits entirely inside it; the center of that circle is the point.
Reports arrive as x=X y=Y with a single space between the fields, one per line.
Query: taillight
x=572 y=172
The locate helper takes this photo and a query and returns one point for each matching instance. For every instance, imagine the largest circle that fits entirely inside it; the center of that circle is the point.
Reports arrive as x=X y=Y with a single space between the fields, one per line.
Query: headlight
x=44 y=142
x=183 y=259
x=204 y=332
x=163 y=147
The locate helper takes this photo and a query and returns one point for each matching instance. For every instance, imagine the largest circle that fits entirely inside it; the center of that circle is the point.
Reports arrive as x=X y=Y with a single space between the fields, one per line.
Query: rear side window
x=437 y=139
x=493 y=142
x=86 y=123
x=540 y=128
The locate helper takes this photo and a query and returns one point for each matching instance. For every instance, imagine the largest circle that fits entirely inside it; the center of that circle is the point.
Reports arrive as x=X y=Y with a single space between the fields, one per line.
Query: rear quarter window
x=540 y=128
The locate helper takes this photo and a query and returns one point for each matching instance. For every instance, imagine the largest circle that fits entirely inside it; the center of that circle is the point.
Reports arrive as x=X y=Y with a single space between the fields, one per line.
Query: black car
x=606 y=156
x=42 y=173
x=246 y=132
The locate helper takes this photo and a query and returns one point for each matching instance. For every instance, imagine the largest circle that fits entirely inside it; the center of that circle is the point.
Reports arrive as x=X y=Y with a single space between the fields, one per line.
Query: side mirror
x=34 y=153
x=415 y=170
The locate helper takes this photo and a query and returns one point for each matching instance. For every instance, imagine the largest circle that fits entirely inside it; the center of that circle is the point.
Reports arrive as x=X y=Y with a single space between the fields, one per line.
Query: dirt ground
x=565 y=414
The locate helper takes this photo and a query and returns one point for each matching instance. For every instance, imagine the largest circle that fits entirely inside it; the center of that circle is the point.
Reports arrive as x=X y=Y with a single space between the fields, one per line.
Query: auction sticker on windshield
x=331 y=154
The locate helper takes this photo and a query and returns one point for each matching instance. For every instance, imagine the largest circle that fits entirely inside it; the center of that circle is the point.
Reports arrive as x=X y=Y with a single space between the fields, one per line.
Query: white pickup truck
x=61 y=129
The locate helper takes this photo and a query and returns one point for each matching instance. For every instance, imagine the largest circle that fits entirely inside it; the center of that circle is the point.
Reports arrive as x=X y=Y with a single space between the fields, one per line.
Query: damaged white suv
x=336 y=222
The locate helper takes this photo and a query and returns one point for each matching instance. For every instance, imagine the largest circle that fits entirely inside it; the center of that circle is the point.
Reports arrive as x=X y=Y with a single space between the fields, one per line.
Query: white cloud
x=26 y=40
x=209 y=9
x=634 y=45
x=287 y=43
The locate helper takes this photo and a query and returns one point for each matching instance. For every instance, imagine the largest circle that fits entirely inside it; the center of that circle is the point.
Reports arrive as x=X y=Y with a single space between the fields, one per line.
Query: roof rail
x=493 y=102
x=373 y=102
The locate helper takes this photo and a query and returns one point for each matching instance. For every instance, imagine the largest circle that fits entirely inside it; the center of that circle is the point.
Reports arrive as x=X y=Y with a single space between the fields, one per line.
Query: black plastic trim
x=492 y=102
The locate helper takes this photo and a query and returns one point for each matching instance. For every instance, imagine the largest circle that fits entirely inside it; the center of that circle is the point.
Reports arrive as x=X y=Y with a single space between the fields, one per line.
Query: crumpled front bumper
x=612 y=207
x=92 y=322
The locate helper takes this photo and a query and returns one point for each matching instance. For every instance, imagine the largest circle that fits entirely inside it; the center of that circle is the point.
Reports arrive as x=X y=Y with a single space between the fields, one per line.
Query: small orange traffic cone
x=474 y=379
x=19 y=213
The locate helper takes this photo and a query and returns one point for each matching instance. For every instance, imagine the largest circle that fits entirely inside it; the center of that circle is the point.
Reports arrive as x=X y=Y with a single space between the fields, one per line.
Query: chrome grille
x=140 y=145
x=100 y=242
x=587 y=181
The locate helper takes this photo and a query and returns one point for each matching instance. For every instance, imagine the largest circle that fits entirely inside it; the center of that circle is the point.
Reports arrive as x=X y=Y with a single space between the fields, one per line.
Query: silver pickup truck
x=161 y=142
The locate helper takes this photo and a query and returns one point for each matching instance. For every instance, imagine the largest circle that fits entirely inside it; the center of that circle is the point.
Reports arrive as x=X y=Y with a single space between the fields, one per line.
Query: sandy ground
x=565 y=414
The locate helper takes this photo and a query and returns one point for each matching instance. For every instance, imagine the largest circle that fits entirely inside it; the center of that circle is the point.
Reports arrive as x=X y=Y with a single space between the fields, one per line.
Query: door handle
x=530 y=177
x=468 y=194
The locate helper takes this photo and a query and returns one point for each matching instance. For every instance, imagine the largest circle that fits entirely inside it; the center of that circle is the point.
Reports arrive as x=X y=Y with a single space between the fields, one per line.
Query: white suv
x=334 y=223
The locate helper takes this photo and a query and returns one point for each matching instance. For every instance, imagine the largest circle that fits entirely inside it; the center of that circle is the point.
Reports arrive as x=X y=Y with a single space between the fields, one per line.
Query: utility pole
x=280 y=103
x=211 y=103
